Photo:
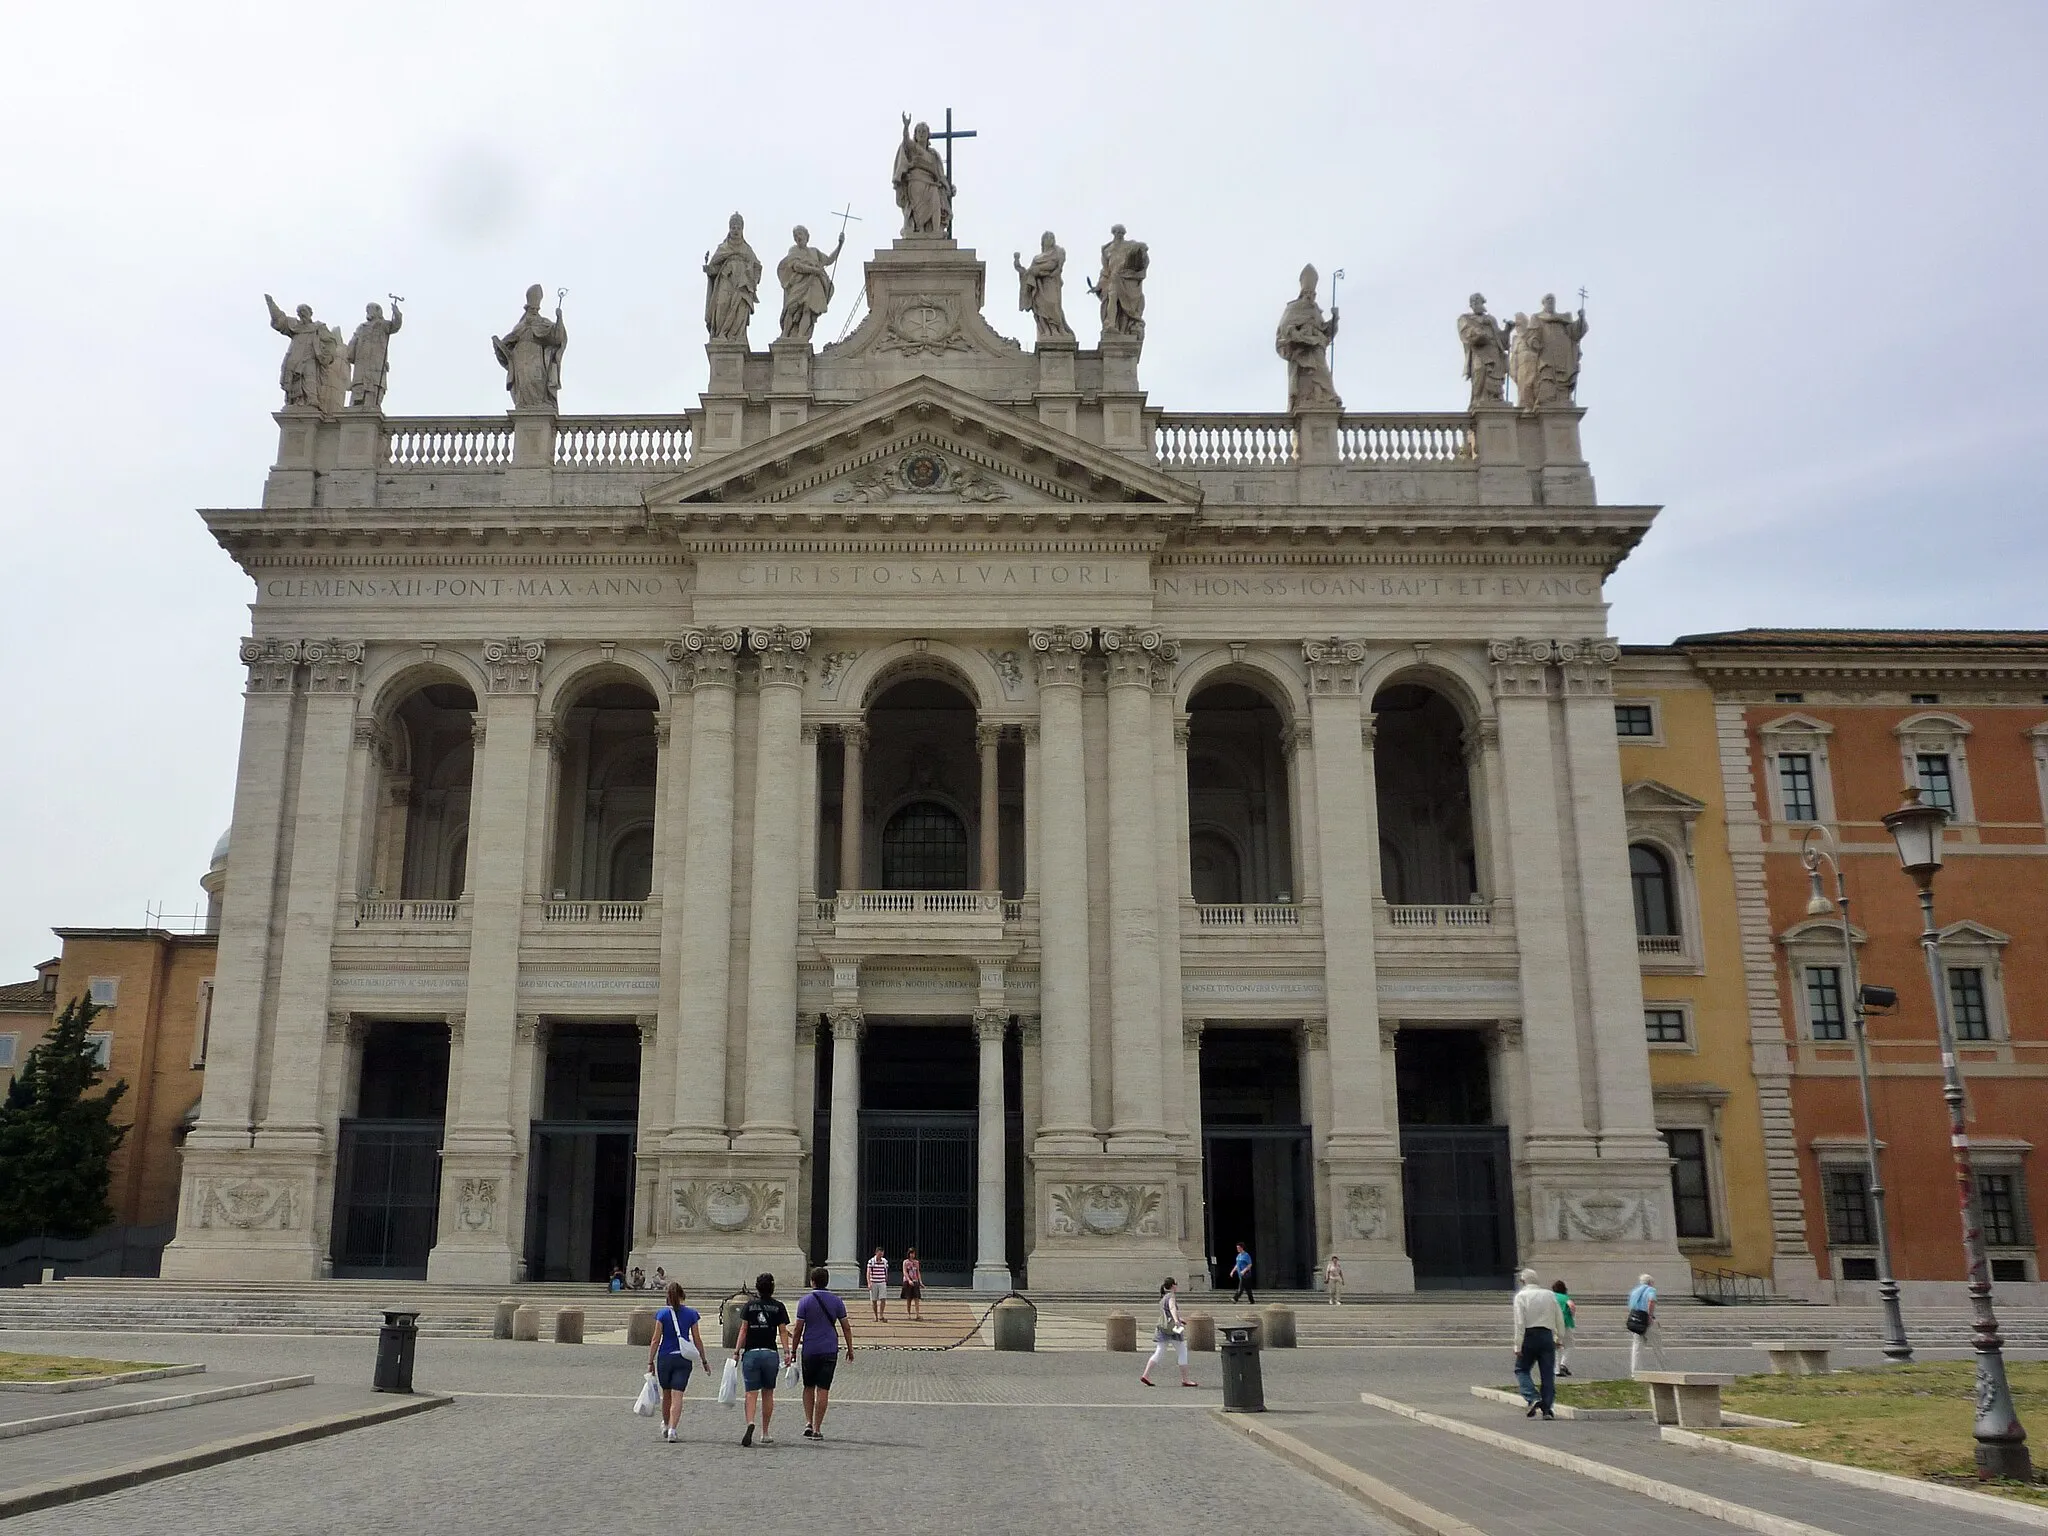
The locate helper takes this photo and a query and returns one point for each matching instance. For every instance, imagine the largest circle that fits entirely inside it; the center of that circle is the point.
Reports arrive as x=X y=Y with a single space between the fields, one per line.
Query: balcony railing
x=1462 y=915
x=407 y=912
x=1218 y=440
x=594 y=912
x=622 y=442
x=916 y=903
x=456 y=442
x=1238 y=914
x=1660 y=944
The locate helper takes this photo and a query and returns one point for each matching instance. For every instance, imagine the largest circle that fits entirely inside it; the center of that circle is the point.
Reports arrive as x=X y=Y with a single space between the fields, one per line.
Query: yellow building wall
x=1717 y=1060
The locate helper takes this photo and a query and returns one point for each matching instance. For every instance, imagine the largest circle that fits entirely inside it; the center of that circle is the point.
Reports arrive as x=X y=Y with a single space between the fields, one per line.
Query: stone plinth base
x=1599 y=1225
x=992 y=1277
x=248 y=1214
x=215 y=1260
x=723 y=1218
x=450 y=1265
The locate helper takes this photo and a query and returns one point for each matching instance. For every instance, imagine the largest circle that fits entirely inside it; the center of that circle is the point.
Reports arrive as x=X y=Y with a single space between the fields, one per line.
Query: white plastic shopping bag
x=792 y=1377
x=649 y=1400
x=729 y=1384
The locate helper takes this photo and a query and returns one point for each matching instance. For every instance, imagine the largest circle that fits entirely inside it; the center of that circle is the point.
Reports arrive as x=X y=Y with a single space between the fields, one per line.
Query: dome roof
x=220 y=851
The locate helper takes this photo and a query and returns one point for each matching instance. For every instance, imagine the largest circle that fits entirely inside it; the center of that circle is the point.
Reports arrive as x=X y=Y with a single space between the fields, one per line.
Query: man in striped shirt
x=878 y=1283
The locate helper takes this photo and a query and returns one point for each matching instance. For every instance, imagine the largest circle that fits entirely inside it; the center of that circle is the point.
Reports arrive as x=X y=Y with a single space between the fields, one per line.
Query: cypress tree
x=57 y=1139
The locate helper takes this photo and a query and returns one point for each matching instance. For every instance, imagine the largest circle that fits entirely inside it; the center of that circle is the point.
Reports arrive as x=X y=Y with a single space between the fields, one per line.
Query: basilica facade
x=930 y=795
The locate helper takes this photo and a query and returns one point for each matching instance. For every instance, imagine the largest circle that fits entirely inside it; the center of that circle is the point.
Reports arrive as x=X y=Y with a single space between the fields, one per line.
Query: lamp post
x=1816 y=847
x=2001 y=1441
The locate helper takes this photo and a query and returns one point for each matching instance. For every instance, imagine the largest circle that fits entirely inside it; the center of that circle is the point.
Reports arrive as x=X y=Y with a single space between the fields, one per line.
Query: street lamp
x=2001 y=1442
x=1816 y=846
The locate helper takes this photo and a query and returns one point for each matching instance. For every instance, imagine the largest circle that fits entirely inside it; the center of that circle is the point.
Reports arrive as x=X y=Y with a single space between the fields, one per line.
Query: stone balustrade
x=594 y=912
x=1461 y=915
x=1405 y=439
x=1263 y=914
x=623 y=442
x=885 y=914
x=406 y=912
x=1241 y=441
x=1660 y=944
x=454 y=442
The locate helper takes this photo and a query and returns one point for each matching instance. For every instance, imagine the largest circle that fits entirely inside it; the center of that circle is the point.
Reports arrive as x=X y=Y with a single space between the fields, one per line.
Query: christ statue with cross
x=924 y=190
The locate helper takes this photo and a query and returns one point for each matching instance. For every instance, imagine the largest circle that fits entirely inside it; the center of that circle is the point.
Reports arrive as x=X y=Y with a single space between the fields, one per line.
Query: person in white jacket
x=1539 y=1324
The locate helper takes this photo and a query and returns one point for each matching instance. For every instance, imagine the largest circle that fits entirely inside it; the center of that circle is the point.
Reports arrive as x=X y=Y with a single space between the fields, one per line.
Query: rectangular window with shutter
x=1795 y=786
x=1967 y=1009
x=1846 y=1191
x=1691 y=1202
x=1824 y=1003
x=2001 y=1202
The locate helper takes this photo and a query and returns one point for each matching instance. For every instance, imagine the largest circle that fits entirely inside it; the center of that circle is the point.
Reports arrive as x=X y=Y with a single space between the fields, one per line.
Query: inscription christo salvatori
x=565 y=589
x=968 y=576
x=1348 y=586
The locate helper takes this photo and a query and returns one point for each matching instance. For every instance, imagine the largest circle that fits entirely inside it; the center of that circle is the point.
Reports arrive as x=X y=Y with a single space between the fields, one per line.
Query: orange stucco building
x=1820 y=730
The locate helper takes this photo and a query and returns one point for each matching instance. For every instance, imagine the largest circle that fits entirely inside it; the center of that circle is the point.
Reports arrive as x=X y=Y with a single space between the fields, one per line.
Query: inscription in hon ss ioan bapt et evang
x=1262 y=585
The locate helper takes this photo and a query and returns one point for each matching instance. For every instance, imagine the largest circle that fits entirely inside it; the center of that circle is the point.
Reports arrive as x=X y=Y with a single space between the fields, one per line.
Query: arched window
x=1649 y=877
x=1218 y=877
x=924 y=848
x=631 y=875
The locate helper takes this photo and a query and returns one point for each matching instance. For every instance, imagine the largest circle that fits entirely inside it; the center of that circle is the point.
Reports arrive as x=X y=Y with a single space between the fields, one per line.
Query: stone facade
x=1178 y=640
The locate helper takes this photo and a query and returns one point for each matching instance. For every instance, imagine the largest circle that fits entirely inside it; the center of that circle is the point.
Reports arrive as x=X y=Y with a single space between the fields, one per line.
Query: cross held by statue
x=949 y=135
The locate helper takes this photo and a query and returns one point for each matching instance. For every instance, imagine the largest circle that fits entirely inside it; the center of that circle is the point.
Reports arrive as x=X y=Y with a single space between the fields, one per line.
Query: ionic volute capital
x=1058 y=651
x=781 y=650
x=1136 y=657
x=848 y=1023
x=273 y=664
x=705 y=658
x=1334 y=665
x=513 y=666
x=1315 y=1034
x=989 y=1025
x=333 y=666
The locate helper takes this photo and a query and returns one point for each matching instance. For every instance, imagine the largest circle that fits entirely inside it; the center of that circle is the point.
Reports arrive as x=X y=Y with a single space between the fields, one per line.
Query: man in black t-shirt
x=764 y=1346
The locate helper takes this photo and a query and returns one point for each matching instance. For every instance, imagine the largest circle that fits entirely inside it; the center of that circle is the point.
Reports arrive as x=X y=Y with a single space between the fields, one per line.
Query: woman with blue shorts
x=764 y=1347
x=670 y=1357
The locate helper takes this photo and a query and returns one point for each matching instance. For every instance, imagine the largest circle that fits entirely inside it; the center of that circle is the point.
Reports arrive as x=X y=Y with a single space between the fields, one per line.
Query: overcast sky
x=1812 y=235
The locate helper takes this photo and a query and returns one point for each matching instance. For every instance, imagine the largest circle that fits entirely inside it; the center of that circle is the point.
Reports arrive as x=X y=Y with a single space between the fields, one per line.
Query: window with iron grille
x=1967 y=1008
x=1634 y=720
x=1664 y=1026
x=1937 y=785
x=1845 y=1190
x=1690 y=1201
x=1824 y=1003
x=924 y=848
x=1649 y=874
x=2002 y=1205
x=1795 y=785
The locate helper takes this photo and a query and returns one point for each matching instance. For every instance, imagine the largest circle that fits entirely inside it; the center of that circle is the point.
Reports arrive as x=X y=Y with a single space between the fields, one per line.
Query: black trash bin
x=395 y=1341
x=1244 y=1389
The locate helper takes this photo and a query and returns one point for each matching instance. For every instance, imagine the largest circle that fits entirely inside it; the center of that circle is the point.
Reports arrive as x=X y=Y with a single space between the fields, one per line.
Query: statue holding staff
x=735 y=274
x=1553 y=363
x=1486 y=343
x=1303 y=339
x=531 y=355
x=806 y=278
x=1038 y=289
x=1121 y=287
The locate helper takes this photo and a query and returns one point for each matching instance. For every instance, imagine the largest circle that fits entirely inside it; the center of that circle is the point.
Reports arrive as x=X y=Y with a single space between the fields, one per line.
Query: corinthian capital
x=513 y=666
x=272 y=664
x=782 y=652
x=1333 y=664
x=1058 y=651
x=1139 y=658
x=705 y=658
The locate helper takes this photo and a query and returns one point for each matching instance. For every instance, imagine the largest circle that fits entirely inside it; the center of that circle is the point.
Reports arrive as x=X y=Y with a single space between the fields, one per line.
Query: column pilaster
x=842 y=1239
x=991 y=1262
x=1062 y=845
x=1137 y=1126
x=852 y=803
x=987 y=741
x=771 y=948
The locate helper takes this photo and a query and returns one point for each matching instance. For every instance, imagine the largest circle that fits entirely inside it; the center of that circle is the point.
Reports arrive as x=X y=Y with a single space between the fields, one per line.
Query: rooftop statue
x=923 y=190
x=369 y=355
x=1121 y=287
x=1038 y=289
x=299 y=375
x=330 y=355
x=1545 y=359
x=806 y=281
x=1486 y=343
x=1303 y=339
x=531 y=355
x=735 y=275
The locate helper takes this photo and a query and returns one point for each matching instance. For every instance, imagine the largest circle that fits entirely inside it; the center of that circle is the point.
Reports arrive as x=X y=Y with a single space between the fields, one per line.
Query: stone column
x=991 y=1258
x=1029 y=884
x=650 y=1109
x=1315 y=1109
x=1362 y=1152
x=807 y=826
x=1062 y=842
x=1138 y=1123
x=479 y=1151
x=987 y=740
x=842 y=1192
x=771 y=943
x=1170 y=869
x=1189 y=1062
x=852 y=804
x=1297 y=742
x=708 y=659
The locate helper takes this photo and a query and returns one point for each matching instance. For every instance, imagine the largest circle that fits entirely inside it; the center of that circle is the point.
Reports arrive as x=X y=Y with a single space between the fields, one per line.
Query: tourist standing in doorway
x=1333 y=1282
x=1171 y=1330
x=764 y=1346
x=1571 y=1323
x=1539 y=1323
x=1644 y=1337
x=913 y=1285
x=670 y=1356
x=1241 y=1272
x=818 y=1348
x=878 y=1283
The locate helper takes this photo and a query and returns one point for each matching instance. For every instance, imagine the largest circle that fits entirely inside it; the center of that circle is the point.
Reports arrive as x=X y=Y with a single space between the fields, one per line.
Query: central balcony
x=869 y=917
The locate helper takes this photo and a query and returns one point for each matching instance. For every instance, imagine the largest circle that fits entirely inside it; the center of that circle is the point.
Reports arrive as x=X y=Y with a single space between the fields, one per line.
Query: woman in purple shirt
x=818 y=1347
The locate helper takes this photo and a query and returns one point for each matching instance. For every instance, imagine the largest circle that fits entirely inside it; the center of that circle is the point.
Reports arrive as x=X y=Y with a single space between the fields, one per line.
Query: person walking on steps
x=764 y=1347
x=913 y=1286
x=818 y=1347
x=1645 y=1338
x=1171 y=1330
x=1571 y=1324
x=1539 y=1322
x=670 y=1358
x=1241 y=1272
x=878 y=1283
x=1333 y=1282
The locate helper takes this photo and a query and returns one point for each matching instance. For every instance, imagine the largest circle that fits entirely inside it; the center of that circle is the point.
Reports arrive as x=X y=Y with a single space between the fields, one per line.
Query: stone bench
x=1795 y=1359
x=1689 y=1399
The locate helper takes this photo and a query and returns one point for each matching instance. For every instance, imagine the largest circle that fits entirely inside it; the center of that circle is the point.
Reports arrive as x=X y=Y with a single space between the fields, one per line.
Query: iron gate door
x=917 y=1183
x=387 y=1198
x=1460 y=1207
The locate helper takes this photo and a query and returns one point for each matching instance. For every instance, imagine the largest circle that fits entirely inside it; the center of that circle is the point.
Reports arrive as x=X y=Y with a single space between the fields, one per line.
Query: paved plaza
x=540 y=1438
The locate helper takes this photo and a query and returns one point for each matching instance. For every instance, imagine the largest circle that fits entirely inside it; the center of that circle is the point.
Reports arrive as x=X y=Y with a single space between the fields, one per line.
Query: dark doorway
x=579 y=1187
x=919 y=1125
x=387 y=1184
x=1455 y=1182
x=1255 y=1156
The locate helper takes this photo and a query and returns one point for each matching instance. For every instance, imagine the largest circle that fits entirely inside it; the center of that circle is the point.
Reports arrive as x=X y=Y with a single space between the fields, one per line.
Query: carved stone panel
x=1365 y=1212
x=1602 y=1216
x=1105 y=1210
x=726 y=1207
x=249 y=1204
x=476 y=1205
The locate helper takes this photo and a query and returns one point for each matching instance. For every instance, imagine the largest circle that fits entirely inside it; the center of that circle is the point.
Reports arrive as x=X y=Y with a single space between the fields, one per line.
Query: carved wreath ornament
x=1107 y=1210
x=922 y=326
x=726 y=1205
x=921 y=474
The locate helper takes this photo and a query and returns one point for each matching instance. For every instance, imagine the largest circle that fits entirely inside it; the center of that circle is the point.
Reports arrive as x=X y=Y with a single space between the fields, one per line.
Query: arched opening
x=604 y=807
x=1240 y=838
x=421 y=818
x=924 y=848
x=1425 y=798
x=1656 y=897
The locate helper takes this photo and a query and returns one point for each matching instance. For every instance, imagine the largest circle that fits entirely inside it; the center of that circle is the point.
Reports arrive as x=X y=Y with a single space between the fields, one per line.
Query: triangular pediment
x=1648 y=795
x=923 y=445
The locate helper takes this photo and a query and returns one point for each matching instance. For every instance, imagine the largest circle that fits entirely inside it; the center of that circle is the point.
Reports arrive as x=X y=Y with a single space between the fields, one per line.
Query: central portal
x=918 y=1127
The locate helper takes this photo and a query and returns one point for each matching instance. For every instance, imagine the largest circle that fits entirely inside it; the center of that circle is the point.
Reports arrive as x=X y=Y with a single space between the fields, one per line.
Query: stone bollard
x=640 y=1326
x=1201 y=1331
x=1279 y=1328
x=501 y=1321
x=569 y=1325
x=1016 y=1326
x=526 y=1325
x=730 y=1322
x=1122 y=1333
